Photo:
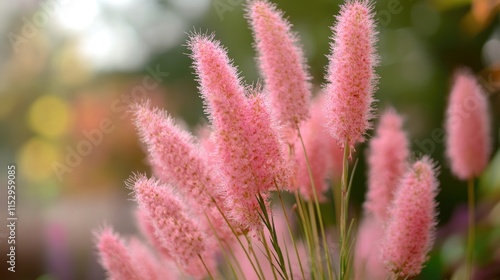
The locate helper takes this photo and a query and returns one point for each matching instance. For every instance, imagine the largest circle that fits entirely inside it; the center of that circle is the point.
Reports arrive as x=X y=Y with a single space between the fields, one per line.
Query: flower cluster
x=206 y=210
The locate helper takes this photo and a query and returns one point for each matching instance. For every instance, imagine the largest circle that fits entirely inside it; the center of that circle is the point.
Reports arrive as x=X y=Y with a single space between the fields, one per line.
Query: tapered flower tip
x=281 y=62
x=468 y=142
x=178 y=232
x=387 y=156
x=217 y=76
x=114 y=256
x=410 y=232
x=351 y=76
x=154 y=127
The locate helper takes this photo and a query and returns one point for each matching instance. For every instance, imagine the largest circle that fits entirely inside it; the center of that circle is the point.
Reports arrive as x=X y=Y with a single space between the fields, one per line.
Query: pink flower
x=351 y=77
x=149 y=267
x=179 y=233
x=410 y=231
x=177 y=160
x=318 y=146
x=249 y=152
x=367 y=262
x=148 y=230
x=281 y=62
x=387 y=157
x=468 y=143
x=115 y=257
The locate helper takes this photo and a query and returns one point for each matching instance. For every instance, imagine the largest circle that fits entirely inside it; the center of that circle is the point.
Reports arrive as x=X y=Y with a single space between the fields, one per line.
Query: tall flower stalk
x=210 y=196
x=468 y=143
x=351 y=83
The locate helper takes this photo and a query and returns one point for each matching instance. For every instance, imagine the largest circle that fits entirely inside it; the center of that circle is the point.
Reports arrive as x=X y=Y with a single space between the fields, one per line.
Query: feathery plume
x=177 y=160
x=367 y=262
x=180 y=235
x=250 y=154
x=318 y=147
x=149 y=267
x=114 y=256
x=468 y=143
x=281 y=62
x=351 y=77
x=387 y=156
x=147 y=229
x=410 y=231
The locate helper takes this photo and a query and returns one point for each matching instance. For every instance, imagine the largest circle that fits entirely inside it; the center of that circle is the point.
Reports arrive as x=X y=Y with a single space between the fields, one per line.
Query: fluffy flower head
x=409 y=234
x=281 y=63
x=387 y=157
x=351 y=77
x=468 y=143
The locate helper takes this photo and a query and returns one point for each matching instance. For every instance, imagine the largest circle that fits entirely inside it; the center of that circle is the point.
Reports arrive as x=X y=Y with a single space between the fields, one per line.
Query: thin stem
x=306 y=225
x=470 y=239
x=343 y=213
x=290 y=232
x=268 y=252
x=224 y=253
x=317 y=255
x=239 y=241
x=316 y=203
x=208 y=271
x=251 y=250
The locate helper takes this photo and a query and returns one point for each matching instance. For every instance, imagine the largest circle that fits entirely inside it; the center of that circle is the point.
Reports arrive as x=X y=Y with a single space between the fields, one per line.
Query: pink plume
x=351 y=77
x=319 y=146
x=410 y=231
x=387 y=156
x=250 y=154
x=177 y=160
x=150 y=267
x=115 y=257
x=282 y=63
x=468 y=143
x=367 y=262
x=179 y=233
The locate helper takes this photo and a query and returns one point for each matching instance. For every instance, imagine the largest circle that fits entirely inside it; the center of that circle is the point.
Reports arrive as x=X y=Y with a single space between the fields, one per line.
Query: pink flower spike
x=249 y=152
x=179 y=234
x=115 y=257
x=351 y=77
x=281 y=62
x=148 y=230
x=220 y=85
x=387 y=156
x=318 y=147
x=410 y=232
x=468 y=142
x=177 y=160
x=367 y=262
x=150 y=267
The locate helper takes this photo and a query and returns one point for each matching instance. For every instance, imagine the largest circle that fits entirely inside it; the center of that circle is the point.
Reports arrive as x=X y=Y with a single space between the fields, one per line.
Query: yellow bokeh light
x=50 y=116
x=36 y=157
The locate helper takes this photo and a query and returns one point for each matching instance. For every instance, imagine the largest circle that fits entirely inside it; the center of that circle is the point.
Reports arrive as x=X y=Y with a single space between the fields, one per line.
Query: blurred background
x=69 y=68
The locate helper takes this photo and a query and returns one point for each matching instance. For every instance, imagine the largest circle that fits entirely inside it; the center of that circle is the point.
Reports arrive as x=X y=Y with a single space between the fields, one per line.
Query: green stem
x=268 y=252
x=344 y=206
x=204 y=265
x=290 y=233
x=470 y=239
x=316 y=204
